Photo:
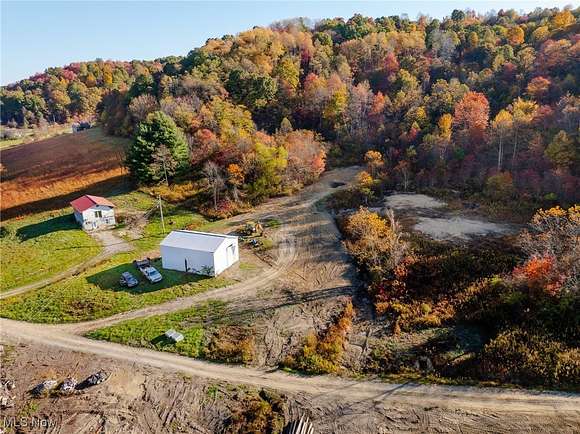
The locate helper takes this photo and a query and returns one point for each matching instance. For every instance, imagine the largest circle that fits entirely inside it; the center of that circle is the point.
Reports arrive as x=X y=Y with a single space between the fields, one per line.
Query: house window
x=98 y=214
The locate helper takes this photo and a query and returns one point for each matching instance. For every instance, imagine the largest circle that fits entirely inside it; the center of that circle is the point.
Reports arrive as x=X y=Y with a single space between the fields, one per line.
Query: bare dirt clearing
x=139 y=399
x=434 y=220
x=153 y=391
x=458 y=228
x=402 y=201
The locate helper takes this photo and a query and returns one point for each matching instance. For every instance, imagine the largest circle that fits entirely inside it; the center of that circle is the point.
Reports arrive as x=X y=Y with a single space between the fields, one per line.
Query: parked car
x=150 y=273
x=128 y=280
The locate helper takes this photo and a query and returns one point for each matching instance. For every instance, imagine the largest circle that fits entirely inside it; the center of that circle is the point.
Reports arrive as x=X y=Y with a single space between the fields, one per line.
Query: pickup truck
x=150 y=273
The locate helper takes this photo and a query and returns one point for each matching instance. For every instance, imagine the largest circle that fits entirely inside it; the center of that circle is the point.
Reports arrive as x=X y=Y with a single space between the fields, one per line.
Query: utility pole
x=161 y=212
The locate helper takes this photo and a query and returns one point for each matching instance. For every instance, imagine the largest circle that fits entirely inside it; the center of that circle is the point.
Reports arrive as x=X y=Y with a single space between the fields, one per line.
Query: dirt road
x=300 y=258
x=111 y=243
x=428 y=395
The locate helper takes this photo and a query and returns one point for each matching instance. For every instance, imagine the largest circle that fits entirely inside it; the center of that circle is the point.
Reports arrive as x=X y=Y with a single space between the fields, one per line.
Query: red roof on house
x=85 y=202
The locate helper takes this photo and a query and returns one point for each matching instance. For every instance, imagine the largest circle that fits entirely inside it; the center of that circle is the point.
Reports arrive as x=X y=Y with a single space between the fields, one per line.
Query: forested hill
x=477 y=101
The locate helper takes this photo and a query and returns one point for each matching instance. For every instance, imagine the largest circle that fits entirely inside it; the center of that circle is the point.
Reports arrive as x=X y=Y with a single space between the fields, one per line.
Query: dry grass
x=55 y=167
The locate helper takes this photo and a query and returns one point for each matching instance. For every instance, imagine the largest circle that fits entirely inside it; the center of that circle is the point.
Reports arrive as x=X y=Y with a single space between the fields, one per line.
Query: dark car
x=128 y=280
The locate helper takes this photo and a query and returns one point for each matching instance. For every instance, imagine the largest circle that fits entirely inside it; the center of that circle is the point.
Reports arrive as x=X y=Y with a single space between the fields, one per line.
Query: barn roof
x=85 y=202
x=193 y=240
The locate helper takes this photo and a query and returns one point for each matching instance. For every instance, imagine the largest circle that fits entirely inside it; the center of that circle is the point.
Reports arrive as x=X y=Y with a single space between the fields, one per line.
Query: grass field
x=96 y=293
x=40 y=246
x=48 y=170
x=30 y=135
x=148 y=332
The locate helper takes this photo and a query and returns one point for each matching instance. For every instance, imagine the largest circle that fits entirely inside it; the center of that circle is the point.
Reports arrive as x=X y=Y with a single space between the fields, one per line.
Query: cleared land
x=144 y=399
x=40 y=246
x=294 y=296
x=49 y=173
x=436 y=221
x=96 y=293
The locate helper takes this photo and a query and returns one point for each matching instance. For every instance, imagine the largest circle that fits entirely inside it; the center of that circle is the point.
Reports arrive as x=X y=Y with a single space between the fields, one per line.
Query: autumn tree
x=215 y=180
x=561 y=151
x=472 y=115
x=553 y=233
x=502 y=125
x=374 y=161
x=235 y=178
x=377 y=244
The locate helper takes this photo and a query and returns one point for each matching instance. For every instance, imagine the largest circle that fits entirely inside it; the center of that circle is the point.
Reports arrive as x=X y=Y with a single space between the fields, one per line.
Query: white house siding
x=91 y=222
x=173 y=258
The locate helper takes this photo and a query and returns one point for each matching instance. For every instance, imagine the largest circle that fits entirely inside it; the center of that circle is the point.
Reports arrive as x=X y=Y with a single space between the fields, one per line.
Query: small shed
x=173 y=336
x=93 y=212
x=199 y=252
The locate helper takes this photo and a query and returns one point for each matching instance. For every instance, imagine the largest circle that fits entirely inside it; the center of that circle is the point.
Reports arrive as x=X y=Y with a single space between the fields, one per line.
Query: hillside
x=48 y=173
x=477 y=103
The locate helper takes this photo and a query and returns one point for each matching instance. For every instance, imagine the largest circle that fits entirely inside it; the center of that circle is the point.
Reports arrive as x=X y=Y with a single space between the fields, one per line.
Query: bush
x=231 y=344
x=322 y=355
x=261 y=413
x=522 y=357
x=174 y=193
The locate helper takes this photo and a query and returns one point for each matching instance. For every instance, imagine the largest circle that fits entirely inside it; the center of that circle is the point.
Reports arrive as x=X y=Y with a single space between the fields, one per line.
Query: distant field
x=47 y=174
x=34 y=135
x=40 y=246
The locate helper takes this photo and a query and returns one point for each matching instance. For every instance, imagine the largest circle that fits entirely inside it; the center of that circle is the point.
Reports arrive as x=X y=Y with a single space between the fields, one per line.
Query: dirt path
x=111 y=243
x=298 y=259
x=427 y=395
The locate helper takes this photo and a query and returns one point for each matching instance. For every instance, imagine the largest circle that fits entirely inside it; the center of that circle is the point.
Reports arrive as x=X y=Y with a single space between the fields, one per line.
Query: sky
x=36 y=35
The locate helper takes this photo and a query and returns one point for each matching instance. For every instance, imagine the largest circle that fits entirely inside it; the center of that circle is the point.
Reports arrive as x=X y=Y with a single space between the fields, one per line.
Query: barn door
x=230 y=254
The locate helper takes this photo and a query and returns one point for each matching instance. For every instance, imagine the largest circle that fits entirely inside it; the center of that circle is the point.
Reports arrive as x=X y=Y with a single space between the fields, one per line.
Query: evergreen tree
x=156 y=131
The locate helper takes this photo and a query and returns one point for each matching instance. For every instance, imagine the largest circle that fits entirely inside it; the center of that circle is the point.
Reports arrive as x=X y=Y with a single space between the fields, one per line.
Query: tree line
x=475 y=102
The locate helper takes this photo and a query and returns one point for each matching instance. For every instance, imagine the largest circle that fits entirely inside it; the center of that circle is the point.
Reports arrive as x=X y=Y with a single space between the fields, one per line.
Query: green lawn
x=40 y=246
x=134 y=200
x=148 y=332
x=96 y=293
x=174 y=218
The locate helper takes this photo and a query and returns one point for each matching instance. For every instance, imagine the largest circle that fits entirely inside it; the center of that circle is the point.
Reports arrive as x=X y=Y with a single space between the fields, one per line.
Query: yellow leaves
x=515 y=35
x=445 y=123
x=364 y=179
x=523 y=110
x=562 y=19
x=503 y=120
x=366 y=224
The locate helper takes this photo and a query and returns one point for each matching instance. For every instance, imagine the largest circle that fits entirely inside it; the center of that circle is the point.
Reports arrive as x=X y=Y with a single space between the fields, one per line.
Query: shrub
x=225 y=208
x=174 y=193
x=500 y=186
x=518 y=356
x=322 y=355
x=257 y=413
x=231 y=344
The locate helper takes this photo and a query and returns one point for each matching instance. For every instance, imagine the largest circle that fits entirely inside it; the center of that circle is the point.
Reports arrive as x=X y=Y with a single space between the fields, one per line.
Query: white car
x=151 y=274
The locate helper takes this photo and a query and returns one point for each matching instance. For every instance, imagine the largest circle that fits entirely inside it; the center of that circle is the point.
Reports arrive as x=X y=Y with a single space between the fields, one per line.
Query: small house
x=93 y=212
x=199 y=252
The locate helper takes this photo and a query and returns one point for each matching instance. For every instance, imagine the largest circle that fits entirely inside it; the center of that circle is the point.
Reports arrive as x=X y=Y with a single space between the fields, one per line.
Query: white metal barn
x=199 y=252
x=93 y=212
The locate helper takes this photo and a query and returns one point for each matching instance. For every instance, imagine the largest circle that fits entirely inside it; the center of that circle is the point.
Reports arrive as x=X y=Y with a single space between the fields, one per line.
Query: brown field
x=49 y=173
